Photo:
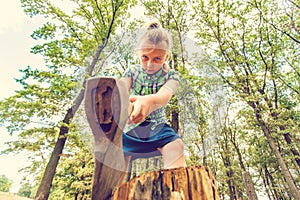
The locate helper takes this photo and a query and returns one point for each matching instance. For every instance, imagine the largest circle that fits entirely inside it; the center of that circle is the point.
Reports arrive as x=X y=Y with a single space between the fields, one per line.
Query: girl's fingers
x=132 y=99
x=138 y=109
x=135 y=113
x=130 y=109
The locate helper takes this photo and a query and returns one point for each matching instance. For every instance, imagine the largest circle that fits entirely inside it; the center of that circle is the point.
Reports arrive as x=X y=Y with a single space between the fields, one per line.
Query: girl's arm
x=127 y=80
x=144 y=105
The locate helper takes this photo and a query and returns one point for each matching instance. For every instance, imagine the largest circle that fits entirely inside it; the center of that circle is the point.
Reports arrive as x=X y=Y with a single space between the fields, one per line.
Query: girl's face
x=152 y=59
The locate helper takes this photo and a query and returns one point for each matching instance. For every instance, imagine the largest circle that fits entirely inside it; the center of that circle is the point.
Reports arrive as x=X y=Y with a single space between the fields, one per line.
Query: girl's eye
x=144 y=58
x=157 y=59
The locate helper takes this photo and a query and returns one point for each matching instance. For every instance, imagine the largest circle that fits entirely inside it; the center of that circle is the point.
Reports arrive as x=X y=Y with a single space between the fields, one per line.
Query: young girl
x=152 y=84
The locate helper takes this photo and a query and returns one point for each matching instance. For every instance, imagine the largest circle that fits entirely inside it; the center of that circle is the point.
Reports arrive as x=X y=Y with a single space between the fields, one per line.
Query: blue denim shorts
x=142 y=141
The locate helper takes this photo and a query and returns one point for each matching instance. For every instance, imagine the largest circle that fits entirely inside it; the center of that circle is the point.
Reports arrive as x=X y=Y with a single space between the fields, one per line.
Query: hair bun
x=153 y=25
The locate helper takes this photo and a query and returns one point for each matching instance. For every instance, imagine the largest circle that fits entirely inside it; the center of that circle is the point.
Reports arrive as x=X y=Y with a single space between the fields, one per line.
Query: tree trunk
x=248 y=182
x=195 y=182
x=175 y=121
x=283 y=167
x=250 y=190
x=46 y=182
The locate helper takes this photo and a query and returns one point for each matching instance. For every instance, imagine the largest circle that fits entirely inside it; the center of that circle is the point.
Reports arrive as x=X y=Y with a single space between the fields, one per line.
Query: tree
x=71 y=40
x=250 y=57
x=107 y=14
x=5 y=183
x=73 y=177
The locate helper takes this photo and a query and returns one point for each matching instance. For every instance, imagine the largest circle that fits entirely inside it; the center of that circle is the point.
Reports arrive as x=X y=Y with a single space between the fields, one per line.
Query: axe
x=106 y=108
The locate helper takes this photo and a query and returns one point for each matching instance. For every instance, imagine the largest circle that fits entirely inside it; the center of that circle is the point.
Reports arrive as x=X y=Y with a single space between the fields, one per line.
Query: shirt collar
x=156 y=75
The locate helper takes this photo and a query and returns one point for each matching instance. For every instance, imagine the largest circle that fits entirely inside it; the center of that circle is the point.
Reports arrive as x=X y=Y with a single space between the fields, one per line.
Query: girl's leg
x=173 y=154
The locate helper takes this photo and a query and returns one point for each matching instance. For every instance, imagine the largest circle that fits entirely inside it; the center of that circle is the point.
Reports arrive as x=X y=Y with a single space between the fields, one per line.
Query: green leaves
x=5 y=183
x=52 y=94
x=45 y=32
x=43 y=99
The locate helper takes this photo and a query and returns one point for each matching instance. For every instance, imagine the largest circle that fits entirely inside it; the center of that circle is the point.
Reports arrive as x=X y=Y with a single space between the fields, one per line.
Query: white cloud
x=15 y=30
x=11 y=15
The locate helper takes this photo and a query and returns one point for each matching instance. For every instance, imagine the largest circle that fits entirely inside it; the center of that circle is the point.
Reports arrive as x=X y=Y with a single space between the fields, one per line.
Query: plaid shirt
x=144 y=84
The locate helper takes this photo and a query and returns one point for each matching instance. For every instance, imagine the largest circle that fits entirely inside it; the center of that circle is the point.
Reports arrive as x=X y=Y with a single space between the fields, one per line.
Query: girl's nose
x=149 y=63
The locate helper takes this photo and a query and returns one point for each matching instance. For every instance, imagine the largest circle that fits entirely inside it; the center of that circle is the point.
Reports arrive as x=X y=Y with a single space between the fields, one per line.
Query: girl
x=152 y=84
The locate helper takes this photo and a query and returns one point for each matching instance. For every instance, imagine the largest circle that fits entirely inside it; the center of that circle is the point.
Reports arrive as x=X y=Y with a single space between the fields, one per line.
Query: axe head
x=106 y=105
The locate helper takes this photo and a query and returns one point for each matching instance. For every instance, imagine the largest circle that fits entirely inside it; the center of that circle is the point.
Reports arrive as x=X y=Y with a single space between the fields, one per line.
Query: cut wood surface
x=190 y=183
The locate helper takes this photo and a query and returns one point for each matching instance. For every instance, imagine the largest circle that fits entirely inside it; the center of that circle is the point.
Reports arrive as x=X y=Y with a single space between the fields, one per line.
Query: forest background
x=237 y=108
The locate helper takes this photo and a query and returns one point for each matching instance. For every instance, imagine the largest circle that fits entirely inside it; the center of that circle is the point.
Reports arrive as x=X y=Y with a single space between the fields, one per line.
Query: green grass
x=9 y=196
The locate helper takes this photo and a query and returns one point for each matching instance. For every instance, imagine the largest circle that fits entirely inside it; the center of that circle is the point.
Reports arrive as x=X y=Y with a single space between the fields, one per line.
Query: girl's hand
x=140 y=107
x=144 y=105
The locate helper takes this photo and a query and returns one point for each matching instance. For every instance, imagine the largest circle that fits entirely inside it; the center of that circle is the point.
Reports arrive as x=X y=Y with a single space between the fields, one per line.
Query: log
x=106 y=107
x=190 y=183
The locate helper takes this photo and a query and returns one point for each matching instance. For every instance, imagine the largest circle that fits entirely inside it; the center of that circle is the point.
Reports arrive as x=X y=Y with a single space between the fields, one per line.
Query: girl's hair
x=155 y=34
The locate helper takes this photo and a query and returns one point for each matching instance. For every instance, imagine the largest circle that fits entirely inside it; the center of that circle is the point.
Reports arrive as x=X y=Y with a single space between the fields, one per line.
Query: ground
x=9 y=196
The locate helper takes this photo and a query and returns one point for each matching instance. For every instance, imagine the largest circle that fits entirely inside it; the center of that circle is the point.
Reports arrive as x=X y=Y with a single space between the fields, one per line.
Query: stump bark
x=190 y=183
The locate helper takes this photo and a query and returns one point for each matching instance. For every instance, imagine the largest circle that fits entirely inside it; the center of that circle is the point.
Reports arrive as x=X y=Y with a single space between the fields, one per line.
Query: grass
x=9 y=196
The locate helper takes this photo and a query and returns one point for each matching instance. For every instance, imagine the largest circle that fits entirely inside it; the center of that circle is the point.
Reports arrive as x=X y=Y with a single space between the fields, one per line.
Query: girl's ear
x=167 y=57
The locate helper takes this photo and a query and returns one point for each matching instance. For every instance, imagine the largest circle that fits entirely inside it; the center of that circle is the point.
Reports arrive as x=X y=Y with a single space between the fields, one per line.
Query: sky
x=15 y=40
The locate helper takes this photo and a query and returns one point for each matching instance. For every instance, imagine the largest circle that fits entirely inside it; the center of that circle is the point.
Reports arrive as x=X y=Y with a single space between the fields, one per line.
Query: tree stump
x=190 y=183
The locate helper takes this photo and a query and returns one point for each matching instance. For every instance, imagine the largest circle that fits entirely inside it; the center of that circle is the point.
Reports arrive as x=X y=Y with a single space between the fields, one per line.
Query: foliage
x=26 y=190
x=5 y=183
x=67 y=41
x=250 y=56
x=73 y=178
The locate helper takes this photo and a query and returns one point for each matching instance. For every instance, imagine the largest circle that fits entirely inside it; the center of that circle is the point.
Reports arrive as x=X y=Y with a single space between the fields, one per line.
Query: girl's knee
x=176 y=146
x=173 y=154
x=180 y=145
